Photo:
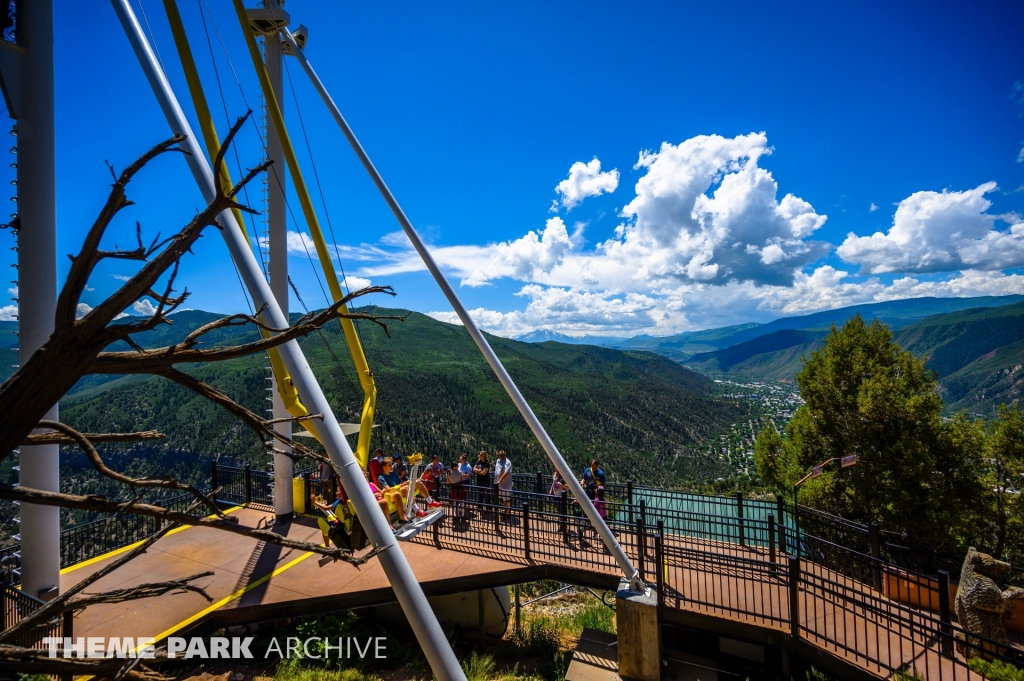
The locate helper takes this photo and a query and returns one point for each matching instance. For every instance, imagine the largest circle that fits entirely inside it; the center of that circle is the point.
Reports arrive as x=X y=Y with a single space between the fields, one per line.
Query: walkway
x=738 y=591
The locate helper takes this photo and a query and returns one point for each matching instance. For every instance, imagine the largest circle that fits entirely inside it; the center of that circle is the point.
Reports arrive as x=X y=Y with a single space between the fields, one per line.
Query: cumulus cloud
x=354 y=283
x=940 y=232
x=144 y=308
x=705 y=211
x=708 y=239
x=82 y=310
x=585 y=179
x=9 y=313
x=696 y=306
x=873 y=207
x=121 y=277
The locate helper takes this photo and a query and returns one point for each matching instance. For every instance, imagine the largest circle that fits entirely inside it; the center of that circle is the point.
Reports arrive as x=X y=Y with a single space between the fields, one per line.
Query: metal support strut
x=625 y=564
x=408 y=592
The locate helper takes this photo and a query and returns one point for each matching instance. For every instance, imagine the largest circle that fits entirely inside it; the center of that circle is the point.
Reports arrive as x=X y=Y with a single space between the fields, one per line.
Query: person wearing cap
x=400 y=468
x=482 y=469
x=503 y=477
x=592 y=478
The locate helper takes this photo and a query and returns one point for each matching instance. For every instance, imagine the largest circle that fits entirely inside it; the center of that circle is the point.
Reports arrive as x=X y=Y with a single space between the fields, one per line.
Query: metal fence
x=876 y=615
x=82 y=542
x=17 y=605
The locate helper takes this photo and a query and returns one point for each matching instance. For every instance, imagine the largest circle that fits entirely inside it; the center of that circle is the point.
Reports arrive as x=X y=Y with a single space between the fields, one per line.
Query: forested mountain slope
x=644 y=415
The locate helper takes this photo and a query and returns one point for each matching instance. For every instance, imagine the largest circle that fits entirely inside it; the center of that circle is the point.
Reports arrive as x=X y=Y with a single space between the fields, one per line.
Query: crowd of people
x=389 y=482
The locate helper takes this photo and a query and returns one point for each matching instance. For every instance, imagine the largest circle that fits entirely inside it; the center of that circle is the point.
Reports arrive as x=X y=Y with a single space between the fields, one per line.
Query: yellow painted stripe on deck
x=219 y=604
x=224 y=601
x=72 y=568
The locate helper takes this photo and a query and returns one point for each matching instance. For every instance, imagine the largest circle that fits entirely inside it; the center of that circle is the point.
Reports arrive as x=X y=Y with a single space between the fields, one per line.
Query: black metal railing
x=879 y=616
x=242 y=484
x=15 y=605
x=86 y=541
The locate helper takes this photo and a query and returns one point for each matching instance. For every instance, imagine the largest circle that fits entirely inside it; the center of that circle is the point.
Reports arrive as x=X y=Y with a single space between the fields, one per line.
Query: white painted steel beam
x=421 y=618
x=625 y=564
x=37 y=281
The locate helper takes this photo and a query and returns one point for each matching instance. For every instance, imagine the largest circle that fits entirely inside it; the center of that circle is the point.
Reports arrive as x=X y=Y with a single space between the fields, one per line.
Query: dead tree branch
x=27 y=495
x=75 y=343
x=157 y=360
x=58 y=439
x=101 y=467
x=18 y=660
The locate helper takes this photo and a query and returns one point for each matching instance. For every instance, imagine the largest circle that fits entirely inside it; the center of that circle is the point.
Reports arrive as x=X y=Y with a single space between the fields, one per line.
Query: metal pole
x=946 y=639
x=519 y=626
x=37 y=281
x=278 y=247
x=876 y=553
x=739 y=518
x=623 y=561
x=794 y=596
x=407 y=590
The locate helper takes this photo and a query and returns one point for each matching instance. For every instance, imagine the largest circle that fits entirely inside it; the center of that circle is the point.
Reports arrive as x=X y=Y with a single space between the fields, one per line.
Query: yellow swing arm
x=351 y=337
x=286 y=389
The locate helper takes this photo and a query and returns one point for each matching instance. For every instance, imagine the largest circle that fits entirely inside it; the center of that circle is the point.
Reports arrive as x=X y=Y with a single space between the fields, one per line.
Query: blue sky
x=753 y=160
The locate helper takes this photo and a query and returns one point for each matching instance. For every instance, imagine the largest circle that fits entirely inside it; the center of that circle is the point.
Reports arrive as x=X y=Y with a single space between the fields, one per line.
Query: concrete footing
x=639 y=648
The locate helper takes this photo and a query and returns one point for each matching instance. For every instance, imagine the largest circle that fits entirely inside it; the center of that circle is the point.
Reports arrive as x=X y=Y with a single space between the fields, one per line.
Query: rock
x=981 y=603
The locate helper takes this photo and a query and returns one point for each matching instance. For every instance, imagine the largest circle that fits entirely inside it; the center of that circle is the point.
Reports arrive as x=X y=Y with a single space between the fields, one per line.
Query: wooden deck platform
x=253 y=581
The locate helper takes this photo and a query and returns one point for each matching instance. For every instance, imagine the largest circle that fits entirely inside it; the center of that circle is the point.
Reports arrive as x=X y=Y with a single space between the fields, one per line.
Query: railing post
x=794 y=596
x=876 y=553
x=67 y=631
x=519 y=626
x=780 y=518
x=659 y=561
x=540 y=486
x=213 y=474
x=563 y=512
x=643 y=523
x=641 y=548
x=739 y=516
x=526 y=542
x=248 y=483
x=437 y=531
x=946 y=636
x=771 y=538
x=629 y=499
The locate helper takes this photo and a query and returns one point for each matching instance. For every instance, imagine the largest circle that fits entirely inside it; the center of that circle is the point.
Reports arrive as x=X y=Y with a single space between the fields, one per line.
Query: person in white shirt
x=503 y=477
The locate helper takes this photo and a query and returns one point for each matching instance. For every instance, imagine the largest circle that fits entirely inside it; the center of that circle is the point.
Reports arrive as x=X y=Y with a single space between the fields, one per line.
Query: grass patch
x=293 y=670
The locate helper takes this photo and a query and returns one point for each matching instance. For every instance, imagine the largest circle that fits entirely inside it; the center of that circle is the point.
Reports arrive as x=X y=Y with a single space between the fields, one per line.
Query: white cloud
x=1020 y=156
x=697 y=306
x=300 y=243
x=586 y=179
x=940 y=232
x=354 y=283
x=144 y=308
x=707 y=241
x=873 y=207
x=82 y=310
x=121 y=315
x=121 y=277
x=705 y=211
x=9 y=313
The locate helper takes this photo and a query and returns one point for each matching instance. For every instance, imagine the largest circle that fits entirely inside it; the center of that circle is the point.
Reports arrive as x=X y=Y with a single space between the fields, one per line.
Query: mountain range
x=648 y=417
x=975 y=345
